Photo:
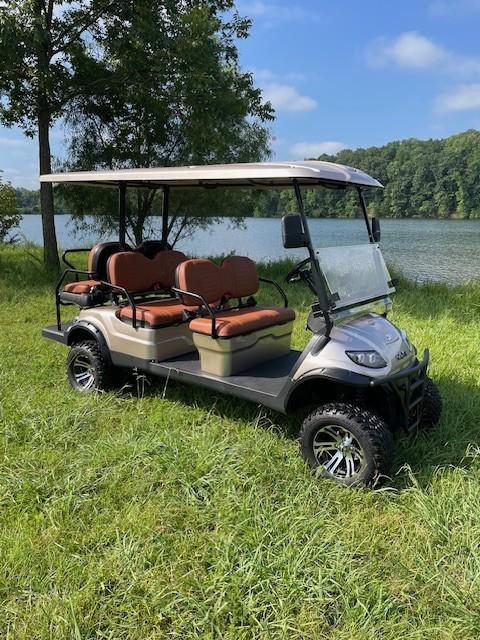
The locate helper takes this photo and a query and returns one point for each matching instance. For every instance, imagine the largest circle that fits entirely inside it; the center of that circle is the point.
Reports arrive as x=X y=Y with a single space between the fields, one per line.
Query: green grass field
x=185 y=514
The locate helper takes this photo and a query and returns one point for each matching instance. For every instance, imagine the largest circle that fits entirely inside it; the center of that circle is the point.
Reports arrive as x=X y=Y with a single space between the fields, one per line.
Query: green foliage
x=28 y=200
x=47 y=50
x=187 y=514
x=188 y=102
x=9 y=215
x=422 y=178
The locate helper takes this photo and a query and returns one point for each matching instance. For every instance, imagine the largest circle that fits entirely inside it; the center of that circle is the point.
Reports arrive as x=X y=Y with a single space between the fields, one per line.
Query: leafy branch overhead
x=137 y=83
x=188 y=102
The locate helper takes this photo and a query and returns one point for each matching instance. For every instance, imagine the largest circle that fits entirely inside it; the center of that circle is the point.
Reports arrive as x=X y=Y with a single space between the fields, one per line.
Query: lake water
x=436 y=250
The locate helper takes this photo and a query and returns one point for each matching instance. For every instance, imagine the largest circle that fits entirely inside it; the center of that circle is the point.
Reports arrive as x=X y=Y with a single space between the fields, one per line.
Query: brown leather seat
x=240 y=321
x=82 y=286
x=139 y=274
x=97 y=268
x=236 y=278
x=158 y=313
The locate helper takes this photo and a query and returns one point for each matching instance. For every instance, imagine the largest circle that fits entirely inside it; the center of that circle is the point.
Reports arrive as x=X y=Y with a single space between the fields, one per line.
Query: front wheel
x=87 y=368
x=346 y=443
x=432 y=405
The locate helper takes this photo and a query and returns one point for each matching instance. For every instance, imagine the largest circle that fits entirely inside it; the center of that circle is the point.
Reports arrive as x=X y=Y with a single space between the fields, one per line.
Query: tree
x=187 y=103
x=9 y=216
x=44 y=45
x=432 y=178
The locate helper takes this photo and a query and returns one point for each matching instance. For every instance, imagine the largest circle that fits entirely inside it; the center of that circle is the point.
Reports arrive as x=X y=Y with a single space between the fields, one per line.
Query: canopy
x=256 y=174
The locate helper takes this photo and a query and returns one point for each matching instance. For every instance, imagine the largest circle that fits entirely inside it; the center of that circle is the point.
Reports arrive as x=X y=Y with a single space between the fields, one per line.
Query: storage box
x=228 y=356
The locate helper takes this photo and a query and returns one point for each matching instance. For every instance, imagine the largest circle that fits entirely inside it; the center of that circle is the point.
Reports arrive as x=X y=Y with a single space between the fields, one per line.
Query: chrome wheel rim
x=83 y=371
x=338 y=452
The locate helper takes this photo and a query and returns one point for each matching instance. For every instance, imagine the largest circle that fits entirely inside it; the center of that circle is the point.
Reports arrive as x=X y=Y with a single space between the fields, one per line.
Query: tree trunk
x=50 y=250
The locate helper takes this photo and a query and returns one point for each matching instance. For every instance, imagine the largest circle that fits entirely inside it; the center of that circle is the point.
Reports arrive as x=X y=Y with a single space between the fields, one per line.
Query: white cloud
x=411 y=50
x=285 y=97
x=19 y=179
x=13 y=142
x=281 y=92
x=315 y=149
x=465 y=97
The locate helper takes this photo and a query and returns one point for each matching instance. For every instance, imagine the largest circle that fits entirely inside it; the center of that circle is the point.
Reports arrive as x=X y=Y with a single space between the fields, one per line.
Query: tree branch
x=76 y=31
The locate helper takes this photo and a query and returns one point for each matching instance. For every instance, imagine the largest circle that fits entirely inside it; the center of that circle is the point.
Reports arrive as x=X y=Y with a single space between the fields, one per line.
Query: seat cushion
x=239 y=321
x=159 y=313
x=83 y=286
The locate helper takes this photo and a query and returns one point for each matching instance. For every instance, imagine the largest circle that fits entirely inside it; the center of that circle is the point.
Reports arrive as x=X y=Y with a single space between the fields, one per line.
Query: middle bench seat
x=235 y=339
x=236 y=278
x=138 y=274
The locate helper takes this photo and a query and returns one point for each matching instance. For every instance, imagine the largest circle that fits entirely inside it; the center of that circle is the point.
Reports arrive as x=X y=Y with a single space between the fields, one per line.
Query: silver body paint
x=370 y=332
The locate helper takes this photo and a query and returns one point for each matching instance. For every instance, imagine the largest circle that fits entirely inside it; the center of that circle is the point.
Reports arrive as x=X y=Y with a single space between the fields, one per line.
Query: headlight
x=370 y=359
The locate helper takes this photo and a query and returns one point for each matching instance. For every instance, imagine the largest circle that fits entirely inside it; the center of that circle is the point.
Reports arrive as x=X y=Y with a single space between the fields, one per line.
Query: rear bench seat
x=97 y=268
x=245 y=336
x=138 y=274
x=91 y=291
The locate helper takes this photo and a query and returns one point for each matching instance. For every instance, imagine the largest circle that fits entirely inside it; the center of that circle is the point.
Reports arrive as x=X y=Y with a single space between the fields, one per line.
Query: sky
x=342 y=75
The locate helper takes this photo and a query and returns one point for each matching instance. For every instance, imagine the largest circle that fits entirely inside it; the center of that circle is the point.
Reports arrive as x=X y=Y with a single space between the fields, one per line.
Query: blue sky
x=350 y=74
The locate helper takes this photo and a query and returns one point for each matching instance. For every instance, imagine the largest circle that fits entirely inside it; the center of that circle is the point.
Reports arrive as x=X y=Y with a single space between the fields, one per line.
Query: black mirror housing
x=292 y=232
x=376 y=232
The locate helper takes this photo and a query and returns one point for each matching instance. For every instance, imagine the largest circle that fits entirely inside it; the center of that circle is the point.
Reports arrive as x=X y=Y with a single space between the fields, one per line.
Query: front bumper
x=408 y=386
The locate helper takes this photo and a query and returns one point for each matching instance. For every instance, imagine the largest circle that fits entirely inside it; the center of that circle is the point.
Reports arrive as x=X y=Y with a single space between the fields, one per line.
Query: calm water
x=438 y=250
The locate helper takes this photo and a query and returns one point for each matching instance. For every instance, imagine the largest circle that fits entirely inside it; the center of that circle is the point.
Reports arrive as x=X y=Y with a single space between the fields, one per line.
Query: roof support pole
x=363 y=206
x=318 y=278
x=165 y=203
x=122 y=209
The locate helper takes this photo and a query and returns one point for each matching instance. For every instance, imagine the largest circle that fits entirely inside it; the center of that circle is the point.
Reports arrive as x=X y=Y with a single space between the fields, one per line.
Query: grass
x=186 y=514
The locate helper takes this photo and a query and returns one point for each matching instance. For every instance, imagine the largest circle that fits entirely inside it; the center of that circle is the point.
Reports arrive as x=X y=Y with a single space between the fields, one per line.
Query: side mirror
x=376 y=232
x=292 y=232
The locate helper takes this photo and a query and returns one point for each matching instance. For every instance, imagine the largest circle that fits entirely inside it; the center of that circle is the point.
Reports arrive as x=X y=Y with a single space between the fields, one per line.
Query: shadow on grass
x=224 y=406
x=449 y=444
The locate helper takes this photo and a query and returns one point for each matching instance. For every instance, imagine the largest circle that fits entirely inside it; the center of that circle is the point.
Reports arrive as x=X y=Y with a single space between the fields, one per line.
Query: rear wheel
x=87 y=369
x=347 y=444
x=432 y=405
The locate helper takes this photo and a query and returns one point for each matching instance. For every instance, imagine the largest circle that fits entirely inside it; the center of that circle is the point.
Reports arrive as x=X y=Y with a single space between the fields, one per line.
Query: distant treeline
x=27 y=201
x=437 y=178
x=425 y=178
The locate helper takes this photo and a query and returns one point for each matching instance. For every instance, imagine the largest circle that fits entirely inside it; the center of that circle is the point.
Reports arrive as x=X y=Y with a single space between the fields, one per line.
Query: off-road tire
x=432 y=405
x=367 y=428
x=88 y=351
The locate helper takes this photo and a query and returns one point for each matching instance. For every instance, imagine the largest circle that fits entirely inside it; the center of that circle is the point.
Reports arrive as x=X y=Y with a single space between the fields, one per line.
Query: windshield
x=354 y=274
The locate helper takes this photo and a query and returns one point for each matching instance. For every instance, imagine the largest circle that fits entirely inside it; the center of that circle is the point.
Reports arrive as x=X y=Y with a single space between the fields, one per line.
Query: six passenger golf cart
x=151 y=307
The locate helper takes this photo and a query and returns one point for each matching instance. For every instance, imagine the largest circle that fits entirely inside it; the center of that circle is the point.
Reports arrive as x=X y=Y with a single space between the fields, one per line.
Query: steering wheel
x=301 y=271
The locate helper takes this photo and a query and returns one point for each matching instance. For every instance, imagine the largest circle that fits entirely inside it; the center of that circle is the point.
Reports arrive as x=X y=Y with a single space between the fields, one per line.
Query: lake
x=423 y=250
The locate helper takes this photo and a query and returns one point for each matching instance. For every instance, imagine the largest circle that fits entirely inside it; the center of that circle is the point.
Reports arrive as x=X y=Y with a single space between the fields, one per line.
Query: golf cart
x=358 y=379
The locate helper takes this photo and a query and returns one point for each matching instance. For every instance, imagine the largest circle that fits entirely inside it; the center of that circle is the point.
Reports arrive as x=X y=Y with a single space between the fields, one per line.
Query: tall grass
x=186 y=514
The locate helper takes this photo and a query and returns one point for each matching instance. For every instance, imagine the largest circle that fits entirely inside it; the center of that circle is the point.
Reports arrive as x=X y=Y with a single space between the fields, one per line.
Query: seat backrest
x=240 y=277
x=136 y=273
x=150 y=248
x=236 y=278
x=98 y=258
x=202 y=277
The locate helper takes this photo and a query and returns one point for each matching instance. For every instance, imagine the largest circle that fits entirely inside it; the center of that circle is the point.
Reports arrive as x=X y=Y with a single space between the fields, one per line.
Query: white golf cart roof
x=255 y=174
